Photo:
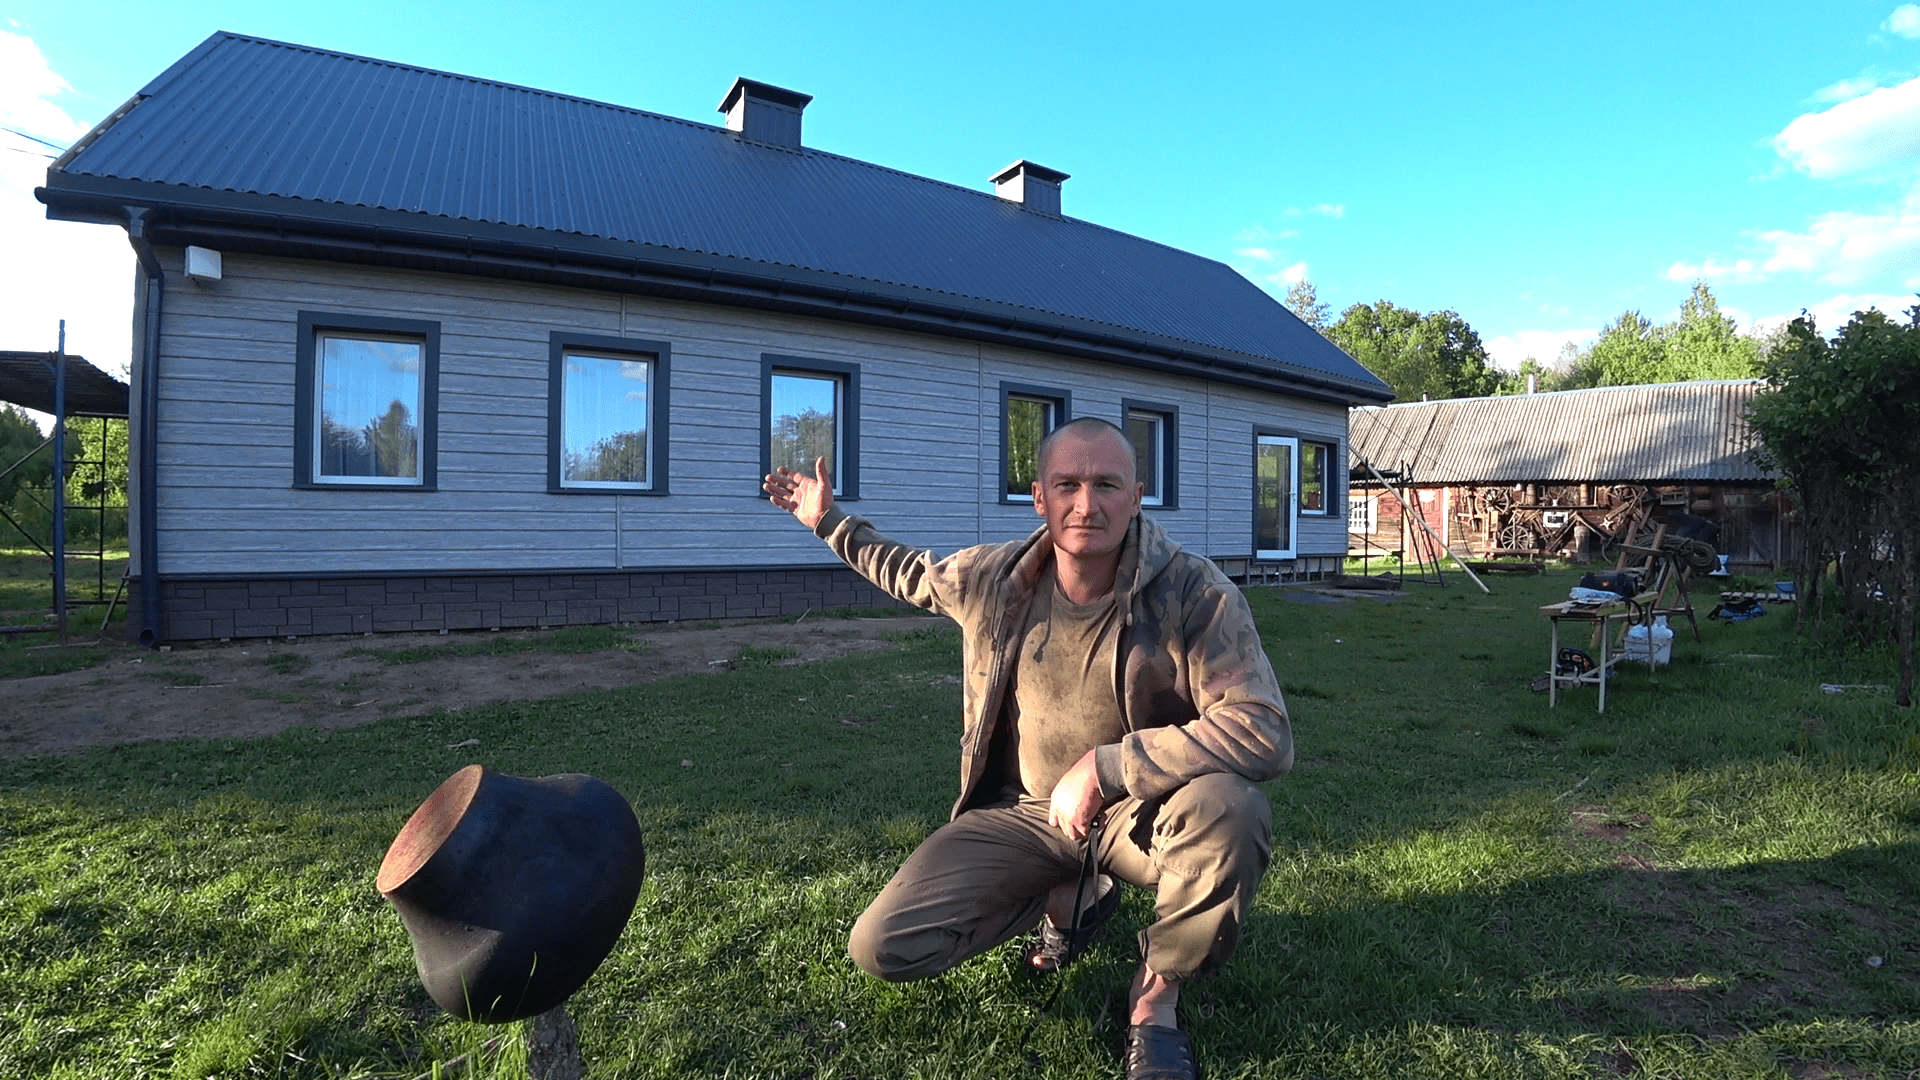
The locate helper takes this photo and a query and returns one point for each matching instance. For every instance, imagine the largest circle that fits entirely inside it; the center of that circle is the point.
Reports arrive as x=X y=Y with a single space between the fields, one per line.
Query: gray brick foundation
x=199 y=609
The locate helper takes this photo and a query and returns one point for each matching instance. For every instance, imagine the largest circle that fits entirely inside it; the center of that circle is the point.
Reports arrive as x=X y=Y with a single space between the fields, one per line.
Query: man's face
x=1087 y=492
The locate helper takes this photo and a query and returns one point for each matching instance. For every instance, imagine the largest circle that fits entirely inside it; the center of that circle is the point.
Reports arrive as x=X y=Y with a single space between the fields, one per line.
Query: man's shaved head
x=1084 y=428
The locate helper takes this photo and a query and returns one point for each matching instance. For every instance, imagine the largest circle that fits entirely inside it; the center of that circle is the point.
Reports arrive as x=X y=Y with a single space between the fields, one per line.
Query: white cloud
x=1849 y=248
x=1873 y=137
x=1332 y=210
x=1259 y=253
x=1508 y=350
x=1877 y=133
x=26 y=82
x=1714 y=272
x=1831 y=314
x=1292 y=275
x=1847 y=89
x=1904 y=21
x=53 y=270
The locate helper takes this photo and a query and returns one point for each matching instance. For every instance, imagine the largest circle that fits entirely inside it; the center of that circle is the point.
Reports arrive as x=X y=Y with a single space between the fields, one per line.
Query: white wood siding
x=929 y=431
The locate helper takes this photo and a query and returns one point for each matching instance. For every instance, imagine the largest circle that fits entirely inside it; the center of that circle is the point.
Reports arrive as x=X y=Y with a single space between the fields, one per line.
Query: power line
x=35 y=138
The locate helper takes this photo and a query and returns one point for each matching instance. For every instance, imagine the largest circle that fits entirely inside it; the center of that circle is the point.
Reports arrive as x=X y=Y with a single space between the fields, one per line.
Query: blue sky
x=1537 y=168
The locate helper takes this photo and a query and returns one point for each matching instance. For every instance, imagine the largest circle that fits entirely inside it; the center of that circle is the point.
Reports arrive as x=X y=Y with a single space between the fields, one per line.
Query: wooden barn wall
x=929 y=416
x=1752 y=531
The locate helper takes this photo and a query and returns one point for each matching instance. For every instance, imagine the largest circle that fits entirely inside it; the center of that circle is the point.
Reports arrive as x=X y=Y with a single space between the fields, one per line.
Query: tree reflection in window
x=1313 y=478
x=804 y=424
x=604 y=420
x=1028 y=421
x=369 y=405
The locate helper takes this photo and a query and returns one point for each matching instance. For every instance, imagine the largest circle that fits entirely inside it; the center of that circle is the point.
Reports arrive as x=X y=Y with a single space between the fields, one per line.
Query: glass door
x=1273 y=502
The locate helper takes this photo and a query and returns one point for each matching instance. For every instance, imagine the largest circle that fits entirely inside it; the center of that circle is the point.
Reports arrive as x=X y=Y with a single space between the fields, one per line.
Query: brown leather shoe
x=1159 y=1053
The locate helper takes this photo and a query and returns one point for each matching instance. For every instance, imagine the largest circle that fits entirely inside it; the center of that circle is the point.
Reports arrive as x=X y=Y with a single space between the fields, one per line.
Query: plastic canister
x=1652 y=644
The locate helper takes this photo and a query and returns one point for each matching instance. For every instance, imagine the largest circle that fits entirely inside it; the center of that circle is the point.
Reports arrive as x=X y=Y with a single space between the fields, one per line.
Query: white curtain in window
x=369 y=408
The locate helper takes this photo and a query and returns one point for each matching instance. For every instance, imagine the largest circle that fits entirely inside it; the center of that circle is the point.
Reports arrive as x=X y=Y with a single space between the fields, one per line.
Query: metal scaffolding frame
x=67 y=387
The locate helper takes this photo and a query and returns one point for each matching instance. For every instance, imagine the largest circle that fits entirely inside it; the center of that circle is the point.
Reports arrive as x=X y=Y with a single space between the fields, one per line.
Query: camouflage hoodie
x=1193 y=682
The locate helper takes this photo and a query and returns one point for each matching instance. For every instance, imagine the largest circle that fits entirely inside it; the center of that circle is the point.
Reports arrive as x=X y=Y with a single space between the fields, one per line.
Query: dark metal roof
x=322 y=134
x=1665 y=431
x=26 y=378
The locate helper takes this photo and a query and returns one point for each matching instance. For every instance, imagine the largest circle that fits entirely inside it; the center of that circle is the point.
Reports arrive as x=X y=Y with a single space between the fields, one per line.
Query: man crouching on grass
x=1116 y=696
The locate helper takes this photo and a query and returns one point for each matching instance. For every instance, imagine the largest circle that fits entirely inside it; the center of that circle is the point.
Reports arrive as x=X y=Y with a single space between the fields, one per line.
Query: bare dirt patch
x=246 y=689
x=1624 y=836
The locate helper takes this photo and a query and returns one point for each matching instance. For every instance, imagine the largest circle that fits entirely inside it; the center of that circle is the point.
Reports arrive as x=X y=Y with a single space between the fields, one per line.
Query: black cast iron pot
x=513 y=890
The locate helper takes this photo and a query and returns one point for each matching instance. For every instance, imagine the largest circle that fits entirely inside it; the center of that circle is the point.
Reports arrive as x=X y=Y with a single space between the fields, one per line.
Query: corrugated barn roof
x=319 y=130
x=1667 y=431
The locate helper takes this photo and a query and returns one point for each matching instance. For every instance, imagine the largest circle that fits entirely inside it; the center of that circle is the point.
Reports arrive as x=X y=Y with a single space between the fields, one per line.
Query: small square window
x=1027 y=415
x=364 y=402
x=607 y=415
x=1154 y=431
x=811 y=410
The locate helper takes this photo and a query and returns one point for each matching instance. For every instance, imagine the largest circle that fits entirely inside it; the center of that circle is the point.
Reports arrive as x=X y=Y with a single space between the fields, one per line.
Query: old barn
x=1556 y=473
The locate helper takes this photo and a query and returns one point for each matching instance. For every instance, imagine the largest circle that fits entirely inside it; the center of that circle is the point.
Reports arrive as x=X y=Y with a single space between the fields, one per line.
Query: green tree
x=1702 y=343
x=618 y=458
x=394 y=443
x=96 y=482
x=1304 y=300
x=97 y=479
x=1438 y=355
x=19 y=435
x=1837 y=421
x=1705 y=343
x=1630 y=351
x=799 y=438
x=1546 y=379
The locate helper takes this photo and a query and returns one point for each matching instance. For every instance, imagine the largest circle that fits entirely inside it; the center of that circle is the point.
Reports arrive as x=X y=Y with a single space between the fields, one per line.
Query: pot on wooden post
x=513 y=889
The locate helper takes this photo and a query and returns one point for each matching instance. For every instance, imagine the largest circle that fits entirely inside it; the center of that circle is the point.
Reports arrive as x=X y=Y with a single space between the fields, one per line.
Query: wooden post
x=553 y=1047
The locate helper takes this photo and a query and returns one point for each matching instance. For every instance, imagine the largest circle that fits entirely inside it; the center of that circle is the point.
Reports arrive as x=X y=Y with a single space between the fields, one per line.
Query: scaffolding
x=68 y=388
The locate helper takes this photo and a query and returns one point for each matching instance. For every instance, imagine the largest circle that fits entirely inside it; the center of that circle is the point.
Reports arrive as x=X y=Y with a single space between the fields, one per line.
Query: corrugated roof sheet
x=1666 y=431
x=26 y=378
x=247 y=115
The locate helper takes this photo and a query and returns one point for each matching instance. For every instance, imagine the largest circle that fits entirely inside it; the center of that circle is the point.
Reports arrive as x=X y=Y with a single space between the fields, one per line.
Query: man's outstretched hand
x=805 y=497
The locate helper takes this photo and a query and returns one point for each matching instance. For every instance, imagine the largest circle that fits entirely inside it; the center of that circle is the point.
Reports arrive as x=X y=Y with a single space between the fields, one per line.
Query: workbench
x=1627 y=611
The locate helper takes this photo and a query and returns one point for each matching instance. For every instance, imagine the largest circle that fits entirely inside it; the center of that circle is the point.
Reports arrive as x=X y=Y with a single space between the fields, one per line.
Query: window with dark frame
x=1315 y=459
x=811 y=410
x=1154 y=432
x=1027 y=415
x=607 y=425
x=365 y=397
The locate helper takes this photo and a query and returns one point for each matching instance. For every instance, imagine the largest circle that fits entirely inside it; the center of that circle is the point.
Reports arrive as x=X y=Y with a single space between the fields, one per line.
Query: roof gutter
x=148 y=373
x=240 y=222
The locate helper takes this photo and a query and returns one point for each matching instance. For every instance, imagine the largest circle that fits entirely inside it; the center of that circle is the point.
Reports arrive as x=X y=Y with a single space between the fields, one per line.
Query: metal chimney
x=764 y=113
x=1035 y=187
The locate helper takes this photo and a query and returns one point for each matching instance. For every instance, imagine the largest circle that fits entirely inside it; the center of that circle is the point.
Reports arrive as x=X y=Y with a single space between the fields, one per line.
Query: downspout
x=149 y=437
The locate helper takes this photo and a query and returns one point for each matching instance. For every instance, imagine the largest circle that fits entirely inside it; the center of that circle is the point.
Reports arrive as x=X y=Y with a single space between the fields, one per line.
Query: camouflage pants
x=983 y=878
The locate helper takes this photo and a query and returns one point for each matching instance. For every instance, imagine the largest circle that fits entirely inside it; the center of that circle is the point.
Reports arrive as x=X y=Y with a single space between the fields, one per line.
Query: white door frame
x=1289 y=496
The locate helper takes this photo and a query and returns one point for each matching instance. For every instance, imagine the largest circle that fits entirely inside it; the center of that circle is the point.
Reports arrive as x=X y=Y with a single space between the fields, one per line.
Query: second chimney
x=1035 y=187
x=765 y=113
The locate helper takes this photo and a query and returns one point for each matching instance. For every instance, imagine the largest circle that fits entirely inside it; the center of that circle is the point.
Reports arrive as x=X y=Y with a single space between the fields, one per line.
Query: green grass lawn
x=1466 y=884
x=26 y=599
